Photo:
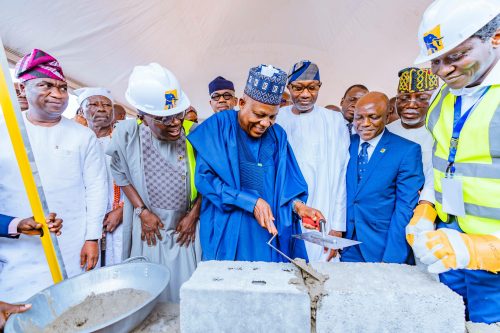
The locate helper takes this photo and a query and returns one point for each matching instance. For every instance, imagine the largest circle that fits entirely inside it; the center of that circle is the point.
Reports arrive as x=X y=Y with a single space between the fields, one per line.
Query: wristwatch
x=138 y=211
x=294 y=202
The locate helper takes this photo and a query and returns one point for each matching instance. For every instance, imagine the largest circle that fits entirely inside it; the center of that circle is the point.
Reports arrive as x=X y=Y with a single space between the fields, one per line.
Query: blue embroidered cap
x=304 y=70
x=266 y=84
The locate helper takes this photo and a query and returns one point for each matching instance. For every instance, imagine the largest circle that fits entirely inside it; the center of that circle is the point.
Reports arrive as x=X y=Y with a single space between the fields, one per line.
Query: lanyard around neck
x=458 y=124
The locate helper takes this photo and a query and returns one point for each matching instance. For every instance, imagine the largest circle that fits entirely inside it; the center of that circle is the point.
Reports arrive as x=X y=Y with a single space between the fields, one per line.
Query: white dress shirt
x=373 y=144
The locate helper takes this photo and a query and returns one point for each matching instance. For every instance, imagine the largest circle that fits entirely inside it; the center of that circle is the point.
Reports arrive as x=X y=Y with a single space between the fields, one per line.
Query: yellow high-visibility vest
x=477 y=159
x=191 y=159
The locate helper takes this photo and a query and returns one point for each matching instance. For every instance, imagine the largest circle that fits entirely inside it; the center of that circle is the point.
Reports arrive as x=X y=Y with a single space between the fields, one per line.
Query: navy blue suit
x=381 y=205
x=4 y=225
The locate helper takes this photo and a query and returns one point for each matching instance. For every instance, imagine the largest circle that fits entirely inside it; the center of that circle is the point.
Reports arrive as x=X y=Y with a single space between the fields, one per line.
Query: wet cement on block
x=364 y=297
x=313 y=284
x=96 y=310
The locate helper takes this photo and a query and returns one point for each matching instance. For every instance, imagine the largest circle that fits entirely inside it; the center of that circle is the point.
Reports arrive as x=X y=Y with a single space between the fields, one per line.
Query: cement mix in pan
x=96 y=310
x=163 y=318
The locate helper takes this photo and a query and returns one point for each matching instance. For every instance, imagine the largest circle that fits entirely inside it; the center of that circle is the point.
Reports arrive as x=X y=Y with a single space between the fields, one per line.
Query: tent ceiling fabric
x=99 y=42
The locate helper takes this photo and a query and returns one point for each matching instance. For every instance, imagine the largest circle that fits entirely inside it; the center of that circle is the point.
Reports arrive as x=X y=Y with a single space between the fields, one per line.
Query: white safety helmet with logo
x=155 y=90
x=447 y=23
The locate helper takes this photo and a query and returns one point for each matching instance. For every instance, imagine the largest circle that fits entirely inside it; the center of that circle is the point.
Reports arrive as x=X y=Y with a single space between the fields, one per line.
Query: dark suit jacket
x=4 y=225
x=382 y=204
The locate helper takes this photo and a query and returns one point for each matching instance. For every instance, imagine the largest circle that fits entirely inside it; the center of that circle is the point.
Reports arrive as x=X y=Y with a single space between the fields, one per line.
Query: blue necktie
x=362 y=160
x=349 y=128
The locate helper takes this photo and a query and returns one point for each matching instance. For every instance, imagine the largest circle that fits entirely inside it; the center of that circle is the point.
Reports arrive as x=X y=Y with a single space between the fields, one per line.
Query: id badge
x=453 y=195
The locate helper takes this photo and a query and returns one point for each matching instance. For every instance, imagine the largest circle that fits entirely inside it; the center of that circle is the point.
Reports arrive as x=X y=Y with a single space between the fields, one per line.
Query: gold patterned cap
x=414 y=79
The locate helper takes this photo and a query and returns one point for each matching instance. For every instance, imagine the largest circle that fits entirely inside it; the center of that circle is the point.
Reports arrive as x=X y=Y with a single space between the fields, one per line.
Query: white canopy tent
x=99 y=42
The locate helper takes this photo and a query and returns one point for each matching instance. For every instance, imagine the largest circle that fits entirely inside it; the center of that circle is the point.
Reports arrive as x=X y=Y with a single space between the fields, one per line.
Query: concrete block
x=364 y=297
x=225 y=296
x=482 y=327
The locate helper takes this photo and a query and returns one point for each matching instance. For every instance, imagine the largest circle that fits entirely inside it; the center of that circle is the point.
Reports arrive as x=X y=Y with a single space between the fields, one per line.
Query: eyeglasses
x=312 y=88
x=215 y=96
x=168 y=120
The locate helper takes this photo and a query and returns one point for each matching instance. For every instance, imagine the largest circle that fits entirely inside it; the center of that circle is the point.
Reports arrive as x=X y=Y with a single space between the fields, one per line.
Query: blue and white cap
x=266 y=84
x=304 y=70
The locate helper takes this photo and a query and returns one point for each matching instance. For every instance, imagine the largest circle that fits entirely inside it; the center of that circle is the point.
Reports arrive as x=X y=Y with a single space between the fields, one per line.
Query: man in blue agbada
x=251 y=184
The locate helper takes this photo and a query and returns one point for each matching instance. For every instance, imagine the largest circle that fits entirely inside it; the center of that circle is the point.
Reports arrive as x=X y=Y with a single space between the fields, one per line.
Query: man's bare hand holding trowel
x=264 y=215
x=313 y=219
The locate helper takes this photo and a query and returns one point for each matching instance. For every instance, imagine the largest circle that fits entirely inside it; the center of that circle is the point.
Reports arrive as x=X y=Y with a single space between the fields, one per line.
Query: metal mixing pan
x=48 y=304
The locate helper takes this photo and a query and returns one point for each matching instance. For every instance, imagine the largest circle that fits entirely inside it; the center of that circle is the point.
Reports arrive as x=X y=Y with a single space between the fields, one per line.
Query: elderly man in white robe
x=153 y=163
x=72 y=172
x=97 y=107
x=321 y=146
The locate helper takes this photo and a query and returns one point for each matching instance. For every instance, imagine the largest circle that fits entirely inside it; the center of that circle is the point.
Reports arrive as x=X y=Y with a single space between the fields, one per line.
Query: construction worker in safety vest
x=461 y=39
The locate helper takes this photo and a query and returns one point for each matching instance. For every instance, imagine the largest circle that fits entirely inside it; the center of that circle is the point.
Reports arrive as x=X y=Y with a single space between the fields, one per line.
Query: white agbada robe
x=320 y=142
x=114 y=240
x=424 y=138
x=72 y=171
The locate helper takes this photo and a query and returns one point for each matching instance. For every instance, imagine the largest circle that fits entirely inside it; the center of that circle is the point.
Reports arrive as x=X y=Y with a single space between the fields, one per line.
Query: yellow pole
x=24 y=155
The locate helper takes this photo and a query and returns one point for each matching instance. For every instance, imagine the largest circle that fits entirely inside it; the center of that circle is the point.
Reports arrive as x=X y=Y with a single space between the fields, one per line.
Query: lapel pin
x=382 y=150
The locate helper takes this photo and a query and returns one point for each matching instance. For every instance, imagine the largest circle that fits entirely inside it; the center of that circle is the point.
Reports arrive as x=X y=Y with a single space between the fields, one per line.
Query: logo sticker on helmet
x=170 y=99
x=433 y=40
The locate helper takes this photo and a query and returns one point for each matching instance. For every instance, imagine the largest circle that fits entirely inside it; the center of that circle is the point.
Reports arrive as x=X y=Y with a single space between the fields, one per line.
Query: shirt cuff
x=247 y=200
x=93 y=232
x=428 y=195
x=338 y=226
x=13 y=226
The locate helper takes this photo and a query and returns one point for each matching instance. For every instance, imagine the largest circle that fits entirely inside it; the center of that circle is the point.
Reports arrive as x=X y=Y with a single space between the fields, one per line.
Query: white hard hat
x=155 y=90
x=447 y=23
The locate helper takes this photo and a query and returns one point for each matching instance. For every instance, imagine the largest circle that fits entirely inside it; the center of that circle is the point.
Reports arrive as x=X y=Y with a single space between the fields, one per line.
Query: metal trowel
x=322 y=238
x=299 y=263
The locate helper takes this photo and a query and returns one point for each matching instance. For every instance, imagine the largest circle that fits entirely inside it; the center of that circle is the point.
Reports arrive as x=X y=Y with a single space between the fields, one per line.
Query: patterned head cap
x=38 y=64
x=266 y=84
x=414 y=79
x=304 y=70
